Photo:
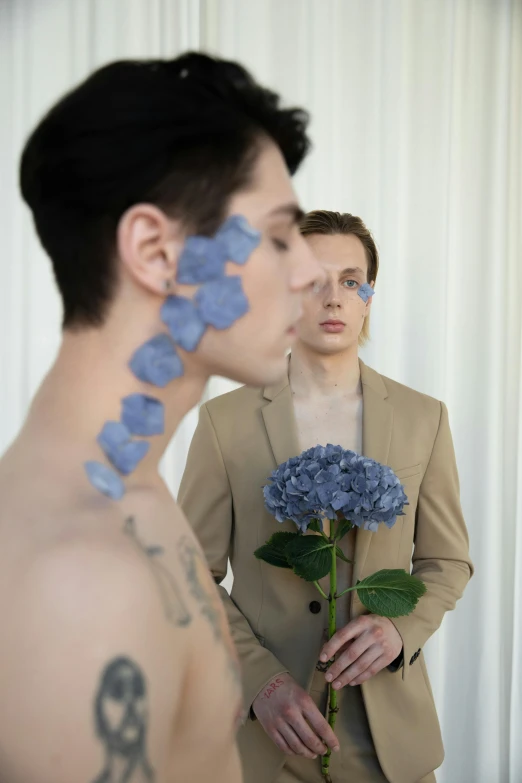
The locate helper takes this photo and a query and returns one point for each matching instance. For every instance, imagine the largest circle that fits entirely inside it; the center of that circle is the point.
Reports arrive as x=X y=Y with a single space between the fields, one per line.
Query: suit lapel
x=280 y=424
x=377 y=434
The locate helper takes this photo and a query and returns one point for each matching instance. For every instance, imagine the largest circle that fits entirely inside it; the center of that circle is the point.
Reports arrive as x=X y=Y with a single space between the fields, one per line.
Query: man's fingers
x=362 y=663
x=355 y=650
x=340 y=638
x=372 y=670
x=295 y=743
x=281 y=743
x=308 y=736
x=322 y=728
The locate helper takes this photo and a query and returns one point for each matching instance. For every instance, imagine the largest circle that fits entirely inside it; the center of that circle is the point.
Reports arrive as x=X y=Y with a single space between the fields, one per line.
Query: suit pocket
x=405 y=473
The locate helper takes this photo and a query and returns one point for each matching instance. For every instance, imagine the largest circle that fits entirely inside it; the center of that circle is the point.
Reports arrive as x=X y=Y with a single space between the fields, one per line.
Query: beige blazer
x=240 y=438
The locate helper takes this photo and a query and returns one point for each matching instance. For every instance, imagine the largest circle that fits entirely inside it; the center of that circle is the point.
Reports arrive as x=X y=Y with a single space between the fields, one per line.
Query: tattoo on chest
x=121 y=722
x=174 y=604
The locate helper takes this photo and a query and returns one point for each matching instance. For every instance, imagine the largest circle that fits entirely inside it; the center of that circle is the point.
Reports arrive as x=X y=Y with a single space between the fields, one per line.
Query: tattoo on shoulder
x=121 y=722
x=174 y=605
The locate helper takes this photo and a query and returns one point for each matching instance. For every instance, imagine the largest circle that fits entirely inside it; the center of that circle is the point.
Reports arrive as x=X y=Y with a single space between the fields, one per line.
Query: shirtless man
x=387 y=728
x=116 y=664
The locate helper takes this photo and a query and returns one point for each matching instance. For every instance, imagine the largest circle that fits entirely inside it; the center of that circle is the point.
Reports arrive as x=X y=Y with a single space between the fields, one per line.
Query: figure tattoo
x=174 y=605
x=121 y=718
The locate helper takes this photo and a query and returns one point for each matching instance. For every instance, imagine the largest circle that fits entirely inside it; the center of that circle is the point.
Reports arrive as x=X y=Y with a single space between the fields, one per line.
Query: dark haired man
x=116 y=662
x=387 y=729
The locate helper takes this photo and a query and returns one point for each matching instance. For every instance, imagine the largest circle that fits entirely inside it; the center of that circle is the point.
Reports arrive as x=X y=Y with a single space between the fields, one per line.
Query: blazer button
x=315 y=607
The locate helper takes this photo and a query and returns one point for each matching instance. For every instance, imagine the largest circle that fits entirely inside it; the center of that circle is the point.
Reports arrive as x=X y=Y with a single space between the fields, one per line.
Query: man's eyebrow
x=352 y=270
x=292 y=211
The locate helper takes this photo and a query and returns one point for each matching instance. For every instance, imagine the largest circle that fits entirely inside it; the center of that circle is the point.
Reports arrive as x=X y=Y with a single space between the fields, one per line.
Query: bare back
x=117 y=663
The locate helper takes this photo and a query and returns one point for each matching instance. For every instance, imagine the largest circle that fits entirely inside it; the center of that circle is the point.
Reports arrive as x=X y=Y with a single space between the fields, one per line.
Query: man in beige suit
x=387 y=727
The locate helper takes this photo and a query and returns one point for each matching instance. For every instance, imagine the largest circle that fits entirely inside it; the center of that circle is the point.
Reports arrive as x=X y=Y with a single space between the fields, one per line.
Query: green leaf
x=310 y=557
x=273 y=552
x=344 y=528
x=390 y=592
x=340 y=553
x=315 y=526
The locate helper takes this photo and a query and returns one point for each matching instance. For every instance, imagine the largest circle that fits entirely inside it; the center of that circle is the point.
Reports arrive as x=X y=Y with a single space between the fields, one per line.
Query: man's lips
x=332 y=325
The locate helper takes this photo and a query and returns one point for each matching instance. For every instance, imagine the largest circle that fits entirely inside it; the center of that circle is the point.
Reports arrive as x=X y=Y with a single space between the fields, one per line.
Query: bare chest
x=337 y=421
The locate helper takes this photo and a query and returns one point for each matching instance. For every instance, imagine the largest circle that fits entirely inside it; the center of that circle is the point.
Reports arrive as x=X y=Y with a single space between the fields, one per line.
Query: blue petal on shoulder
x=143 y=415
x=239 y=238
x=183 y=321
x=202 y=259
x=157 y=362
x=105 y=480
x=222 y=302
x=116 y=442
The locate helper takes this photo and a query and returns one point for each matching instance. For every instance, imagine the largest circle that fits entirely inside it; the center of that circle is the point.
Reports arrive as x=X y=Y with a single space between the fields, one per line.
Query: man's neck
x=317 y=375
x=84 y=389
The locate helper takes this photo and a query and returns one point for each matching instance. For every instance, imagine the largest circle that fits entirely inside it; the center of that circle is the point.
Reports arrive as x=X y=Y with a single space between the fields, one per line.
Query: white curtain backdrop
x=417 y=126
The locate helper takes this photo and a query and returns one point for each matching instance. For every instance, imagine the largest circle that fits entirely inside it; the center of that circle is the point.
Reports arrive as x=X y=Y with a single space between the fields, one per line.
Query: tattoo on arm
x=175 y=608
x=121 y=721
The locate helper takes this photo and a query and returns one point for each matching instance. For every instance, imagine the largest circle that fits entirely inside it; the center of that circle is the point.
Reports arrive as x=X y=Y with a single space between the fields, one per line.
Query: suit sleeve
x=441 y=554
x=206 y=498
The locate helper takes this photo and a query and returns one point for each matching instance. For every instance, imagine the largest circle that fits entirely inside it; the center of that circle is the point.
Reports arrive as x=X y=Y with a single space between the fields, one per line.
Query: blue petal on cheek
x=124 y=453
x=183 y=321
x=238 y=238
x=222 y=302
x=105 y=480
x=157 y=362
x=201 y=260
x=143 y=415
x=366 y=292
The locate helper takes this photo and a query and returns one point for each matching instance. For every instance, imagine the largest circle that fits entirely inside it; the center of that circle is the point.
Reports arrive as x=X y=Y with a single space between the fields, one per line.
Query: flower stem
x=332 y=627
x=348 y=589
x=321 y=590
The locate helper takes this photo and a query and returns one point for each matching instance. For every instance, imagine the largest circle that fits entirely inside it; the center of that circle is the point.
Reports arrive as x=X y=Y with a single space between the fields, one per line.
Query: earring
x=167 y=285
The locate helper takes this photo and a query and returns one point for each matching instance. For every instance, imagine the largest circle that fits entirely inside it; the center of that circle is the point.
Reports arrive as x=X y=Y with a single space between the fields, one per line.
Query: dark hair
x=322 y=221
x=182 y=134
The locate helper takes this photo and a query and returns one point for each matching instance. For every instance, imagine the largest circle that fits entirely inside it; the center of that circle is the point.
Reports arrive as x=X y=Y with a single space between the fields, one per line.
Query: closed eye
x=279 y=245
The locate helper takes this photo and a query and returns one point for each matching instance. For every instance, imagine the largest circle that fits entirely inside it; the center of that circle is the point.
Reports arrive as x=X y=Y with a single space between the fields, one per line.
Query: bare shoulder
x=90 y=670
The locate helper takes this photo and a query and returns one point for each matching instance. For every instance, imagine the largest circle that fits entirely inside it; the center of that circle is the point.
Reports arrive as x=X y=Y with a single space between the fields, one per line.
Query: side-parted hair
x=181 y=134
x=321 y=221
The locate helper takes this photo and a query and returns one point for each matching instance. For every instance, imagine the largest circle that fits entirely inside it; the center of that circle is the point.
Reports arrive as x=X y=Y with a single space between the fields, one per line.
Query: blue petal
x=105 y=480
x=238 y=238
x=201 y=260
x=366 y=292
x=119 y=448
x=222 y=302
x=183 y=321
x=157 y=362
x=143 y=415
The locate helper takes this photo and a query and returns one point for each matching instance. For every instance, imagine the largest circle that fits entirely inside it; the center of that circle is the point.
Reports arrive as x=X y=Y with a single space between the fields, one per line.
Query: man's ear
x=148 y=245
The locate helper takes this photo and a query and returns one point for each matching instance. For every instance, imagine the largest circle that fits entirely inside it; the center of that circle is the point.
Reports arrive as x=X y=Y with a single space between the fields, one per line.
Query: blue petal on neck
x=157 y=361
x=105 y=480
x=143 y=415
x=184 y=323
x=124 y=453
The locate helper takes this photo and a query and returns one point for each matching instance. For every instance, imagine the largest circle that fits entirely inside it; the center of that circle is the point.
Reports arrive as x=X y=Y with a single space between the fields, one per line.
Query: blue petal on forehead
x=105 y=480
x=239 y=238
x=143 y=415
x=124 y=453
x=183 y=321
x=365 y=292
x=221 y=302
x=156 y=361
x=202 y=259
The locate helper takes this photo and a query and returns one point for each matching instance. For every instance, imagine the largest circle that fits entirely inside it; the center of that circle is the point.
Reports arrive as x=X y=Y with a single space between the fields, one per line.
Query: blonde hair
x=321 y=221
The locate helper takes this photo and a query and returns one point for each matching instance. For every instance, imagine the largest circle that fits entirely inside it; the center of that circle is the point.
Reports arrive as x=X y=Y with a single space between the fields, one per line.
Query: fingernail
x=328 y=678
x=337 y=685
x=324 y=658
x=314 y=757
x=336 y=749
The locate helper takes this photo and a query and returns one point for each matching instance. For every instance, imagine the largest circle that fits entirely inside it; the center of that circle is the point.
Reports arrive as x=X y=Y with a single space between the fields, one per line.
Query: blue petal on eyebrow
x=183 y=321
x=143 y=415
x=239 y=238
x=105 y=480
x=157 y=362
x=365 y=292
x=116 y=442
x=202 y=259
x=222 y=302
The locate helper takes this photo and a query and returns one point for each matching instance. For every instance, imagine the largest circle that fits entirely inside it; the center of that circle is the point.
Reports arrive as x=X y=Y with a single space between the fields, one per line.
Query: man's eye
x=350 y=283
x=280 y=245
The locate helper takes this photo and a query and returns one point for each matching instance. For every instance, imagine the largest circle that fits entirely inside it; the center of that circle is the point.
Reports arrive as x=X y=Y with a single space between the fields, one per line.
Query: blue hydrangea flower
x=157 y=362
x=221 y=302
x=105 y=480
x=329 y=482
x=238 y=238
x=183 y=321
x=202 y=259
x=121 y=450
x=143 y=415
x=366 y=292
